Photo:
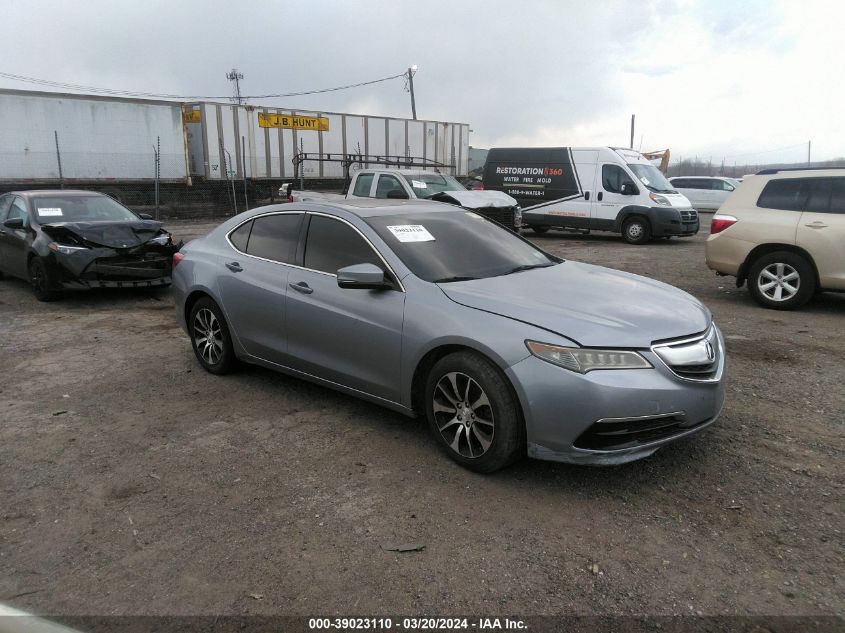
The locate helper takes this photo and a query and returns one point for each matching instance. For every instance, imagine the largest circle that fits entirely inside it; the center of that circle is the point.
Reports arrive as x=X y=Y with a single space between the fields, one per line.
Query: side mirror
x=628 y=189
x=397 y=194
x=362 y=277
x=14 y=223
x=145 y=216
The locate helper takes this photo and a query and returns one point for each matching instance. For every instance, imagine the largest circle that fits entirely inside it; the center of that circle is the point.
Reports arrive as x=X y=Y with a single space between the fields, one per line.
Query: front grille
x=688 y=216
x=128 y=268
x=502 y=215
x=694 y=358
x=618 y=434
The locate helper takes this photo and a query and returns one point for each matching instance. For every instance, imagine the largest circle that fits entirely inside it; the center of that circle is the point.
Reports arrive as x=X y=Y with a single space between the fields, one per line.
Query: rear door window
x=819 y=199
x=837 y=195
x=240 y=236
x=333 y=244
x=363 y=184
x=787 y=194
x=274 y=237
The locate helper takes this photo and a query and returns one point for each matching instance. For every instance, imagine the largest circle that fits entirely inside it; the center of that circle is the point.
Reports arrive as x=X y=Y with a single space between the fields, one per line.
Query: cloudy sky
x=747 y=81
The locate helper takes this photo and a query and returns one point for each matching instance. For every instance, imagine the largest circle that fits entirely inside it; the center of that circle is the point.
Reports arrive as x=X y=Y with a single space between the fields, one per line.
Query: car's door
x=611 y=200
x=253 y=279
x=13 y=242
x=720 y=190
x=821 y=230
x=350 y=337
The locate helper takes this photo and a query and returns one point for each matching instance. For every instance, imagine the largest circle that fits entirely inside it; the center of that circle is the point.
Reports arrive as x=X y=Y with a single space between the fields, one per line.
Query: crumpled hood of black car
x=123 y=234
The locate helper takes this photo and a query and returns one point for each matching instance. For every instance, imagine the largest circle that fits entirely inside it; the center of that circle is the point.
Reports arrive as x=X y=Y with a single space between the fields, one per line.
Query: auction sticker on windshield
x=50 y=212
x=411 y=233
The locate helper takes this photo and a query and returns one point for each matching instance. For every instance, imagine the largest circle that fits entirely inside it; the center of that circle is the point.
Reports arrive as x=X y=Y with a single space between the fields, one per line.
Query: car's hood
x=591 y=305
x=475 y=199
x=123 y=234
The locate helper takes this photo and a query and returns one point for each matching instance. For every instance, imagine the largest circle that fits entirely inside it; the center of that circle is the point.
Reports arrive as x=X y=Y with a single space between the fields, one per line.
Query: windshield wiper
x=519 y=269
x=447 y=280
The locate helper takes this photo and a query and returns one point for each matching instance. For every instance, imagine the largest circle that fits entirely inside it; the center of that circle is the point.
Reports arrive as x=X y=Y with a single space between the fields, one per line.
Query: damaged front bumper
x=140 y=267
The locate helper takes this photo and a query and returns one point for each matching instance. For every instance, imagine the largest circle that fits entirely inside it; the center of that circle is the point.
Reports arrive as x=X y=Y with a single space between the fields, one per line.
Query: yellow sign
x=193 y=116
x=293 y=122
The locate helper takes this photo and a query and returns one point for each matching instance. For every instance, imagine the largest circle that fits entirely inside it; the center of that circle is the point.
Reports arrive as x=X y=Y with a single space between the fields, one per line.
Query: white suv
x=784 y=232
x=704 y=192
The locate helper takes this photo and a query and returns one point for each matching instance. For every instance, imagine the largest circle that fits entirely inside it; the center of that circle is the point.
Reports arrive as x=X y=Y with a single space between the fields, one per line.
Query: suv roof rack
x=776 y=170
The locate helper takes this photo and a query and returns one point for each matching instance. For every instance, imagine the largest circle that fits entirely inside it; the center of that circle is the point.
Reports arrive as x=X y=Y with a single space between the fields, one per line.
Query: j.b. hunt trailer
x=110 y=144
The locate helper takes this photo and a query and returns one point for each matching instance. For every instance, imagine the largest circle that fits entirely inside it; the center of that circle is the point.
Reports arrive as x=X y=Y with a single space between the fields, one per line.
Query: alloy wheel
x=208 y=336
x=779 y=281
x=463 y=414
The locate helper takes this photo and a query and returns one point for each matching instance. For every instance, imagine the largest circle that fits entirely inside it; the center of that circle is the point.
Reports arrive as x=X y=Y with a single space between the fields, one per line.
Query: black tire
x=636 y=230
x=217 y=357
x=539 y=230
x=42 y=284
x=501 y=413
x=764 y=271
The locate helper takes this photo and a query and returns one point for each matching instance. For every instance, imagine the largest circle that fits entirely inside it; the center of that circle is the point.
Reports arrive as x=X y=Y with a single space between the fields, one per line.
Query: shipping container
x=93 y=138
x=228 y=138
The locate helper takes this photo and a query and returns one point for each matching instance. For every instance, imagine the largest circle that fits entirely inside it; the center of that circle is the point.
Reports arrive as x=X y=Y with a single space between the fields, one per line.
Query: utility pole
x=809 y=145
x=235 y=77
x=410 y=75
x=632 y=131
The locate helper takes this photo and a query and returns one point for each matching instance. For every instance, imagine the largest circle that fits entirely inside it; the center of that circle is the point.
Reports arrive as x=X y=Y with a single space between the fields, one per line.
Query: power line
x=153 y=95
x=767 y=151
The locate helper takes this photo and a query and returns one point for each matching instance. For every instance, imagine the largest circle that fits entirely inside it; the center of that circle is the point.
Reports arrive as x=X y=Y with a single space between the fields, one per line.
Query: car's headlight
x=161 y=240
x=65 y=249
x=663 y=201
x=583 y=360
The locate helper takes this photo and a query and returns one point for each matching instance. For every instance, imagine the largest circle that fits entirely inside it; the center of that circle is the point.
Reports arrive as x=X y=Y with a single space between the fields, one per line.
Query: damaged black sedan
x=65 y=240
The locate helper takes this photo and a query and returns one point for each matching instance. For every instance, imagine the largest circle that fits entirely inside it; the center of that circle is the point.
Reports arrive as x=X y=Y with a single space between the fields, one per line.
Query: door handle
x=816 y=225
x=235 y=267
x=586 y=195
x=302 y=287
x=600 y=196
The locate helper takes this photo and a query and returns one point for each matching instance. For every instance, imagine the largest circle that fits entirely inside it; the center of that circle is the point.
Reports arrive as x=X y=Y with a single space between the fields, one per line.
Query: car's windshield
x=457 y=246
x=651 y=177
x=426 y=185
x=91 y=208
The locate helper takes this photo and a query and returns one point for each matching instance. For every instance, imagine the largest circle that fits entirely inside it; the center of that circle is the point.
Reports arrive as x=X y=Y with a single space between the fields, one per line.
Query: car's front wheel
x=539 y=230
x=781 y=280
x=42 y=284
x=210 y=337
x=636 y=230
x=473 y=413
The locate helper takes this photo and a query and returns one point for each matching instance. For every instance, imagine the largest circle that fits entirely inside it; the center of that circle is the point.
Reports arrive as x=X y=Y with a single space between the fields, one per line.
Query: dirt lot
x=132 y=482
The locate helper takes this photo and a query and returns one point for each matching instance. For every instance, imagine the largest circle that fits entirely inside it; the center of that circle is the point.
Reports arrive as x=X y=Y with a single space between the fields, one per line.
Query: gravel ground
x=132 y=482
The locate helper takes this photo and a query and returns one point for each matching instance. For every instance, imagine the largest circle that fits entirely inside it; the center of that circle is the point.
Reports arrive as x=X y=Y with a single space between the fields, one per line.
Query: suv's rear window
x=788 y=194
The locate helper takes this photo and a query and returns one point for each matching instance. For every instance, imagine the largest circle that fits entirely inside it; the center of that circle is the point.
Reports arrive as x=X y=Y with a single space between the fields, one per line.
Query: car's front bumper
x=674 y=222
x=572 y=417
x=111 y=268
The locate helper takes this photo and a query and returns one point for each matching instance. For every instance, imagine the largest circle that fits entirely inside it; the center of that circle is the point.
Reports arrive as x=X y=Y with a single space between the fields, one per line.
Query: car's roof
x=368 y=207
x=35 y=193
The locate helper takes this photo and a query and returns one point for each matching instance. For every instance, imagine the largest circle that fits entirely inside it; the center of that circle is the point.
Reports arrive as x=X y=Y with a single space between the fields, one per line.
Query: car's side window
x=362 y=185
x=613 y=177
x=722 y=185
x=837 y=195
x=786 y=194
x=819 y=200
x=18 y=210
x=332 y=244
x=680 y=183
x=386 y=184
x=274 y=237
x=240 y=236
x=5 y=203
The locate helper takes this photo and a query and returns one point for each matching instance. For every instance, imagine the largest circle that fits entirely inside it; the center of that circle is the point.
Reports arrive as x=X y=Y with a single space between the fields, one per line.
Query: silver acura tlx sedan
x=435 y=311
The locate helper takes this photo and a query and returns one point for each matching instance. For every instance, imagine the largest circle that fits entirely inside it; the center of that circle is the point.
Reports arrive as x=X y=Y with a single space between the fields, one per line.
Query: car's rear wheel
x=539 y=230
x=42 y=284
x=473 y=413
x=781 y=280
x=636 y=230
x=210 y=337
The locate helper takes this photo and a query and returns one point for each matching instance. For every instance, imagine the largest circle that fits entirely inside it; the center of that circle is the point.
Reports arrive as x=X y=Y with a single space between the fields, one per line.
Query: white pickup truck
x=404 y=184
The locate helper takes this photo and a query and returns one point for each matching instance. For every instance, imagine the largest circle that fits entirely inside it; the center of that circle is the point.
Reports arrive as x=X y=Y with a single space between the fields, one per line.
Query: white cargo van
x=590 y=188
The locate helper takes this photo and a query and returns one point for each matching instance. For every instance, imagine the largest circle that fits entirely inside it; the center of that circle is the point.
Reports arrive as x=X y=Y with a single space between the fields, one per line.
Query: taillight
x=177 y=257
x=720 y=222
